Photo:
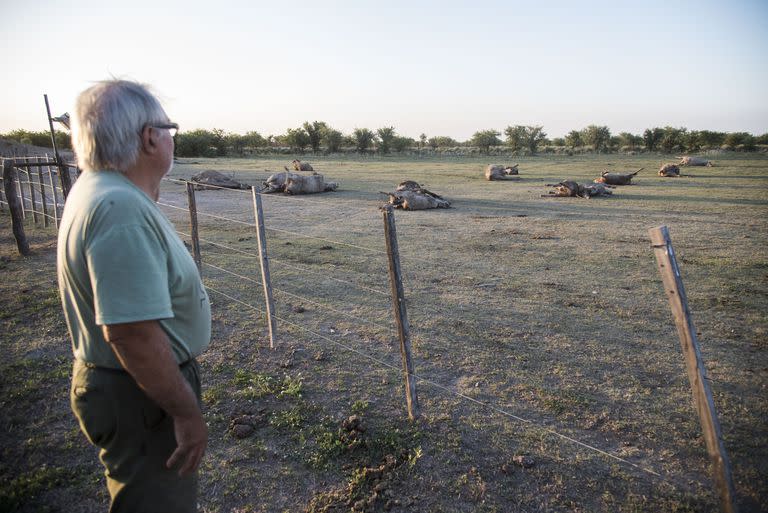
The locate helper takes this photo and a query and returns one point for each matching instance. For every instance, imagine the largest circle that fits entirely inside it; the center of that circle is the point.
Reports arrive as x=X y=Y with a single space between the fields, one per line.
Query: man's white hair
x=107 y=124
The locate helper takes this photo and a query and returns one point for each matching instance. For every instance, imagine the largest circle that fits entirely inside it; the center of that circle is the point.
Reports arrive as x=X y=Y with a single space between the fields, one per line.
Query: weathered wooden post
x=400 y=313
x=32 y=197
x=20 y=194
x=694 y=363
x=193 y=223
x=53 y=193
x=43 y=198
x=264 y=261
x=16 y=209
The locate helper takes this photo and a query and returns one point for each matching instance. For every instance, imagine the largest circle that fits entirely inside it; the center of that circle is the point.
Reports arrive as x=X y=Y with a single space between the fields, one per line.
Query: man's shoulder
x=107 y=191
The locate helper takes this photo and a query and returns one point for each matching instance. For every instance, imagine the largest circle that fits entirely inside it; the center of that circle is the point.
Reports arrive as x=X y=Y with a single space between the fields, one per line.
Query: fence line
x=666 y=477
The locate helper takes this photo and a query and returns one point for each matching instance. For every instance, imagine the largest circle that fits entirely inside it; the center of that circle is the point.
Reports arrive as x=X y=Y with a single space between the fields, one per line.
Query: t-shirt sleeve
x=129 y=276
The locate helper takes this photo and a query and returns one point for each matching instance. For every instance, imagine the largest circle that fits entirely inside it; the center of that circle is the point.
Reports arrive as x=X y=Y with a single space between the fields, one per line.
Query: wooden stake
x=15 y=208
x=53 y=193
x=193 y=220
x=32 y=198
x=43 y=199
x=694 y=363
x=264 y=261
x=400 y=313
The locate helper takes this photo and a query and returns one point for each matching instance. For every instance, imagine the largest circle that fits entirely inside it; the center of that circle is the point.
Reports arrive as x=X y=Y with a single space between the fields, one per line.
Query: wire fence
x=331 y=259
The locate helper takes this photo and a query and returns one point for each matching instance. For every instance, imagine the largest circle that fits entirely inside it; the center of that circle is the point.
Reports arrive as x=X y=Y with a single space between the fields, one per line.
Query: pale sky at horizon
x=439 y=67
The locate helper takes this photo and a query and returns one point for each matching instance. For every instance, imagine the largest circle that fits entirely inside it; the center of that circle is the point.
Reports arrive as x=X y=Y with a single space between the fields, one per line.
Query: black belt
x=90 y=365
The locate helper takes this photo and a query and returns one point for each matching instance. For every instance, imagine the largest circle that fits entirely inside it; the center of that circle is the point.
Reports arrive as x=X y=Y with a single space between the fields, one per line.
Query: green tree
x=400 y=143
x=422 y=140
x=558 y=141
x=315 y=132
x=596 y=136
x=332 y=139
x=363 y=138
x=740 y=141
x=484 y=139
x=673 y=139
x=629 y=140
x=197 y=143
x=297 y=139
x=219 y=141
x=652 y=137
x=253 y=139
x=534 y=135
x=709 y=139
x=236 y=142
x=516 y=137
x=442 y=141
x=760 y=139
x=573 y=139
x=386 y=136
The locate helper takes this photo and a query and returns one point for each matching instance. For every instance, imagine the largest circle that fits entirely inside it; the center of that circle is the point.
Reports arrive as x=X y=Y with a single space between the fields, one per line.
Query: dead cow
x=409 y=195
x=671 y=170
x=695 y=161
x=215 y=180
x=499 y=172
x=616 y=178
x=301 y=166
x=292 y=183
x=569 y=189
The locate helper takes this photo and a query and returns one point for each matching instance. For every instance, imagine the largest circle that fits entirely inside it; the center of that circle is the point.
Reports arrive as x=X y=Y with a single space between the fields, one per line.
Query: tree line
x=318 y=137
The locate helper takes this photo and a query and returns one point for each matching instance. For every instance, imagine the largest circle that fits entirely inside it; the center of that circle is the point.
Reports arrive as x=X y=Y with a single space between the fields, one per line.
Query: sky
x=443 y=68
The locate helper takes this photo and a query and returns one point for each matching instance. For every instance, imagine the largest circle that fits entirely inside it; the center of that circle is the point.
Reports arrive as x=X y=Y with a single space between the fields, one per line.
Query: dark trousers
x=136 y=438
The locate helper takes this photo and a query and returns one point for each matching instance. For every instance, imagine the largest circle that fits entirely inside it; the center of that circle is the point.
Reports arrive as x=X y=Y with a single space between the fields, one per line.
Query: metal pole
x=66 y=183
x=264 y=261
x=400 y=313
x=694 y=363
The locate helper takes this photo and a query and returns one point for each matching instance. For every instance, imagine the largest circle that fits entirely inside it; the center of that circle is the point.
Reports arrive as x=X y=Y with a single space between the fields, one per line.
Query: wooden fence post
x=264 y=260
x=20 y=193
x=32 y=197
x=43 y=198
x=694 y=363
x=400 y=313
x=193 y=220
x=16 y=209
x=53 y=193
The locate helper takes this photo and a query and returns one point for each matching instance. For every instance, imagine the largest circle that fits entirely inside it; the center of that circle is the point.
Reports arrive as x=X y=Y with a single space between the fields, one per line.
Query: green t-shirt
x=119 y=260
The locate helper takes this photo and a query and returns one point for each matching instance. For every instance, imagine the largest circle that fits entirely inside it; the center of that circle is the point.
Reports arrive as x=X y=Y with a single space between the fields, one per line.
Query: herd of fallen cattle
x=410 y=195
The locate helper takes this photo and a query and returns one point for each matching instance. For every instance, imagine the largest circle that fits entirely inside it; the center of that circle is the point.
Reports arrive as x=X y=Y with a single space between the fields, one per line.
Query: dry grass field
x=550 y=373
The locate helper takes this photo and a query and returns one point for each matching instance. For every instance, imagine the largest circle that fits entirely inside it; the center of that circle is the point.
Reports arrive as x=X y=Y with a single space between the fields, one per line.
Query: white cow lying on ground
x=695 y=161
x=292 y=183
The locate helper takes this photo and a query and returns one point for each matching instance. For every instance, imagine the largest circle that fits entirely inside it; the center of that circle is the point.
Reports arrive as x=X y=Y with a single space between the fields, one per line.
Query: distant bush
x=42 y=138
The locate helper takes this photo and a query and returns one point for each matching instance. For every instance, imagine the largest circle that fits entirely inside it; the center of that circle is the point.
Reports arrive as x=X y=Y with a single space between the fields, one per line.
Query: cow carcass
x=670 y=170
x=499 y=172
x=301 y=166
x=215 y=180
x=609 y=178
x=572 y=189
x=409 y=195
x=292 y=183
x=695 y=161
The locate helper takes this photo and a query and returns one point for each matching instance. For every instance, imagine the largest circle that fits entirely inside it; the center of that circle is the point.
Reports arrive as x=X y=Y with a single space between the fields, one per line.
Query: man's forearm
x=144 y=351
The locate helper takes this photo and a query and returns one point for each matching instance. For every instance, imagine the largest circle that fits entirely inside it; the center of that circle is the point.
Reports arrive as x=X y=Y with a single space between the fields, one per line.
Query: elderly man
x=136 y=310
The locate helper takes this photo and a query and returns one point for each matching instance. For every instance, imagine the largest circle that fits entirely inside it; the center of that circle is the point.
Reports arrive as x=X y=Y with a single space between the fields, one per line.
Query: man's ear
x=149 y=140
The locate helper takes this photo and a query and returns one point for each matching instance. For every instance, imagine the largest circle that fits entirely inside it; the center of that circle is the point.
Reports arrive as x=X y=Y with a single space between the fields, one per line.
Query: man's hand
x=144 y=351
x=192 y=439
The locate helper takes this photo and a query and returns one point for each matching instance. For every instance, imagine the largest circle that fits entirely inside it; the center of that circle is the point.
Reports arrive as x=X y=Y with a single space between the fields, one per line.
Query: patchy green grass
x=534 y=322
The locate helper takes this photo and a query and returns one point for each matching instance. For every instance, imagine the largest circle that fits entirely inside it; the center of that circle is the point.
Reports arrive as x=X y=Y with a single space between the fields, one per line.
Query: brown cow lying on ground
x=695 y=161
x=569 y=189
x=499 y=172
x=616 y=178
x=215 y=180
x=291 y=183
x=670 y=170
x=301 y=166
x=409 y=195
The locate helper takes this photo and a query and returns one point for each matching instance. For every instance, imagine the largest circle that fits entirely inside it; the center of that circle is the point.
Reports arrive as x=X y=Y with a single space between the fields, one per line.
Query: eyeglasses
x=173 y=128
